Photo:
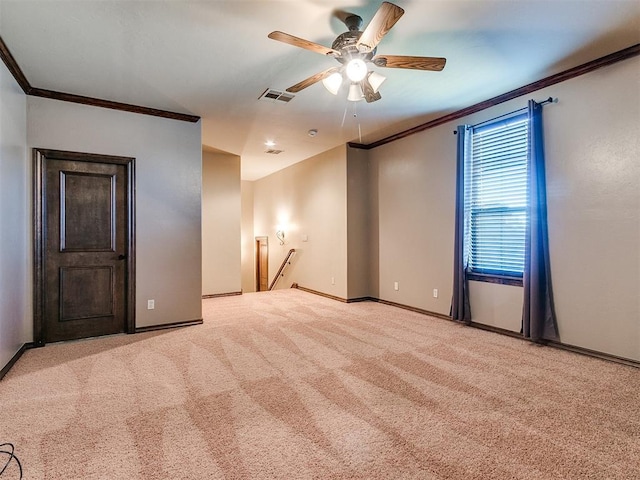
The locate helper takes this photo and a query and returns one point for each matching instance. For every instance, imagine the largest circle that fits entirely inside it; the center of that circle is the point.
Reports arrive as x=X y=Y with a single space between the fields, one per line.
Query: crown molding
x=14 y=68
x=596 y=64
x=28 y=89
x=97 y=102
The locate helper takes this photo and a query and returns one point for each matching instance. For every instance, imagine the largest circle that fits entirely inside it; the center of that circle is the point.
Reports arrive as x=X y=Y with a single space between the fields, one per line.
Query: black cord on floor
x=8 y=449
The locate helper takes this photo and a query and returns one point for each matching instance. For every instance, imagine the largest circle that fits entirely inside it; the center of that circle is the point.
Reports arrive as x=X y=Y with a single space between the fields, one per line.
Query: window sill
x=499 y=279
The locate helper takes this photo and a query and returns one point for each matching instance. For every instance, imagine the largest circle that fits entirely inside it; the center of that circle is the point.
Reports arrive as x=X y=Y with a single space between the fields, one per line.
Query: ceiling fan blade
x=367 y=90
x=307 y=82
x=385 y=18
x=302 y=43
x=403 y=61
x=342 y=15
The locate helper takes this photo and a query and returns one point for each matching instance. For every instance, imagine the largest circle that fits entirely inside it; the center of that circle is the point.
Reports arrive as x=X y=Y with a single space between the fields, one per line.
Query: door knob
x=121 y=257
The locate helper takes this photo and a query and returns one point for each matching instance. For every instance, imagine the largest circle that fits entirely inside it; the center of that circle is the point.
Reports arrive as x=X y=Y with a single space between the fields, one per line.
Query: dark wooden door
x=262 y=264
x=85 y=219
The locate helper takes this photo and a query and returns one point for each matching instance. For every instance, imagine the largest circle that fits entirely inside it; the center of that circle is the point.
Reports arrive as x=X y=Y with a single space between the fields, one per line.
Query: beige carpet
x=289 y=385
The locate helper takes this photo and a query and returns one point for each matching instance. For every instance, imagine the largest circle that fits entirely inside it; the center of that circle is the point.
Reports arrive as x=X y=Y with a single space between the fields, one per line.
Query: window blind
x=496 y=197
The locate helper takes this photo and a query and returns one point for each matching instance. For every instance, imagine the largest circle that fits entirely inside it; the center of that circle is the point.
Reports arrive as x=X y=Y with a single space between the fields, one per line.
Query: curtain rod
x=548 y=100
x=544 y=102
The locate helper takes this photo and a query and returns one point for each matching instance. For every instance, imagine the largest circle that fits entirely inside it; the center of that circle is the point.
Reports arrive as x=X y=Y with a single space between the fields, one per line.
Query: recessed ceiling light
x=313 y=132
x=270 y=143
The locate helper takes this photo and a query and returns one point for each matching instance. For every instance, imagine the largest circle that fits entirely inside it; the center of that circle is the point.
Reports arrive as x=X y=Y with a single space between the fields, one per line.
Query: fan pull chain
x=355 y=115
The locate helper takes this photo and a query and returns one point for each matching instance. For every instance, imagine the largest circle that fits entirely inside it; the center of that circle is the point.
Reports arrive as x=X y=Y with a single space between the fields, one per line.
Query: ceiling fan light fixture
x=355 y=93
x=333 y=82
x=355 y=49
x=356 y=70
x=375 y=80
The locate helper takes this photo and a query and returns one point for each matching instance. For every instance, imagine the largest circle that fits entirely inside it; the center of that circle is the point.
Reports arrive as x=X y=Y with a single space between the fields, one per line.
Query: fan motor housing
x=346 y=45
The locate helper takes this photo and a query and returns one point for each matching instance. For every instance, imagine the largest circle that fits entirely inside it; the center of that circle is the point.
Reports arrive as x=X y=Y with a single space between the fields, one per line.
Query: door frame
x=256 y=243
x=40 y=157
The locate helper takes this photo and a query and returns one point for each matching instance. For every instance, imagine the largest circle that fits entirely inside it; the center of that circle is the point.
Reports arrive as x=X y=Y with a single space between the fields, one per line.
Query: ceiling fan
x=356 y=50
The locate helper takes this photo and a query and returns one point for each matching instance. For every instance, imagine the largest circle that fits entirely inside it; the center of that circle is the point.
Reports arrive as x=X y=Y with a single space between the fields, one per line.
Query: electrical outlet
x=151 y=304
x=435 y=293
x=396 y=286
x=333 y=280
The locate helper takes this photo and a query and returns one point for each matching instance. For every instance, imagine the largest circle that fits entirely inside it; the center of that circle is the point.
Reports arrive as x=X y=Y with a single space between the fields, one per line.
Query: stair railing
x=285 y=262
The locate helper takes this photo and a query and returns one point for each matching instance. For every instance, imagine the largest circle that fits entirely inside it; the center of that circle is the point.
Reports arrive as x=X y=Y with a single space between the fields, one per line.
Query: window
x=496 y=197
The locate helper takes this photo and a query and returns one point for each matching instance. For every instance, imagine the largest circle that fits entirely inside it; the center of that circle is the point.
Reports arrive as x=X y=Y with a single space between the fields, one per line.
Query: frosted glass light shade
x=375 y=80
x=333 y=82
x=355 y=93
x=356 y=70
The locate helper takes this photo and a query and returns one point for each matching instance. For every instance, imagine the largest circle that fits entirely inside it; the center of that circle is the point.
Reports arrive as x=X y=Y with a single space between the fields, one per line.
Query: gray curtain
x=460 y=309
x=538 y=315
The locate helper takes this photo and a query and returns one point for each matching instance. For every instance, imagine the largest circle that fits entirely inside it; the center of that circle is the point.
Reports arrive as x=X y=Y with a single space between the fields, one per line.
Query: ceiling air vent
x=277 y=95
x=272 y=151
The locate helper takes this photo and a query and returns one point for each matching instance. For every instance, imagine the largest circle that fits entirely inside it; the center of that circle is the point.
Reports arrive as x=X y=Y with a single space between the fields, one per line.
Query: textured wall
x=308 y=198
x=15 y=220
x=168 y=195
x=247 y=241
x=416 y=194
x=593 y=147
x=593 y=173
x=360 y=239
x=220 y=223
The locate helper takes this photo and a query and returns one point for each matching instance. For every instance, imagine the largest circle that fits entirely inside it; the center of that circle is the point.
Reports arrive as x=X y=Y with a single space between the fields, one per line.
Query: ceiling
x=213 y=59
